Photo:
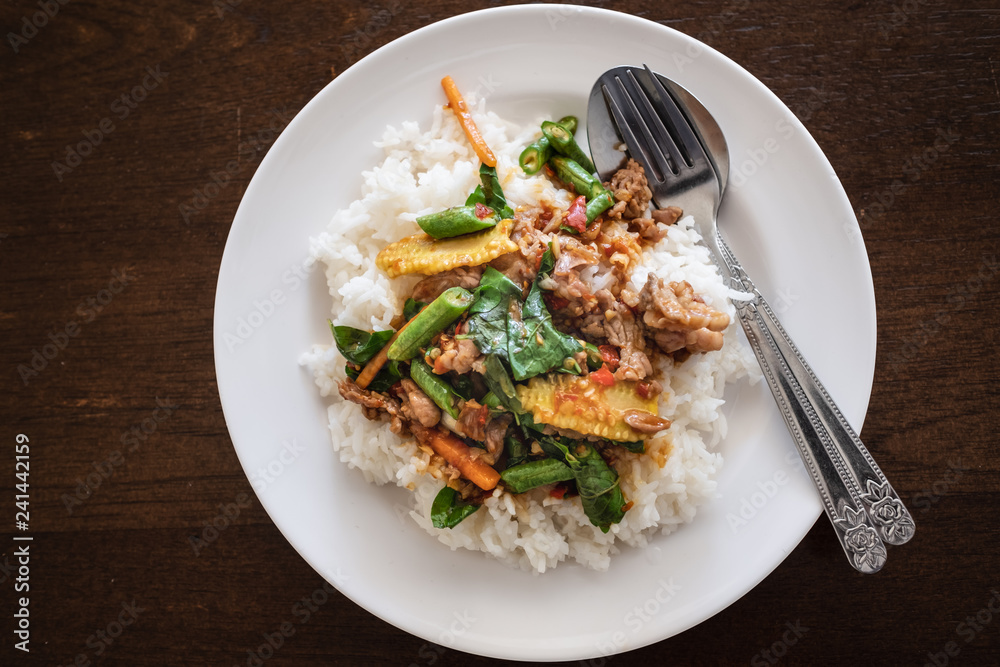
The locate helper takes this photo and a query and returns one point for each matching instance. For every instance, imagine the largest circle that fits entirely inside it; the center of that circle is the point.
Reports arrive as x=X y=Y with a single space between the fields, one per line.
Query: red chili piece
x=644 y=389
x=577 y=216
x=609 y=355
x=483 y=211
x=603 y=376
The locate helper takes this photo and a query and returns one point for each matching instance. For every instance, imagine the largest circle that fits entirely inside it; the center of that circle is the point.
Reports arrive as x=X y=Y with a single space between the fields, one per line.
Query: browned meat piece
x=676 y=306
x=631 y=191
x=374 y=404
x=679 y=319
x=571 y=256
x=495 y=431
x=527 y=236
x=472 y=420
x=699 y=340
x=620 y=246
x=515 y=266
x=417 y=406
x=647 y=228
x=645 y=422
x=668 y=215
x=457 y=354
x=522 y=265
x=624 y=332
x=431 y=287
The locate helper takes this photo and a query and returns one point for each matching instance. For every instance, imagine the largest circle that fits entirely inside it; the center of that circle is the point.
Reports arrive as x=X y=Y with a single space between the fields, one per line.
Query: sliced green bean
x=570 y=171
x=533 y=474
x=435 y=387
x=534 y=157
x=429 y=322
x=455 y=222
x=598 y=205
x=570 y=123
x=564 y=143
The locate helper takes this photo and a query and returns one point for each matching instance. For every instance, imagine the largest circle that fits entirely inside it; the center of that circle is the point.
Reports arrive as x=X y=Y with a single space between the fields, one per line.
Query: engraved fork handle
x=850 y=483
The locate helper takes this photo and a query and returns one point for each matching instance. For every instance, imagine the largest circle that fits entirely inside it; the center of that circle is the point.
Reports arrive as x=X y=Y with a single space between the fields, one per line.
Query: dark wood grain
x=876 y=83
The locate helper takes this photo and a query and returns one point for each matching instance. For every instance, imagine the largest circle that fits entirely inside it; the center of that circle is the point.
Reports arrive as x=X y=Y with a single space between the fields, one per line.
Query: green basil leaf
x=636 y=446
x=548 y=262
x=448 y=510
x=517 y=449
x=526 y=476
x=492 y=192
x=477 y=197
x=534 y=345
x=389 y=375
x=487 y=321
x=358 y=346
x=522 y=334
x=596 y=481
x=411 y=308
x=499 y=382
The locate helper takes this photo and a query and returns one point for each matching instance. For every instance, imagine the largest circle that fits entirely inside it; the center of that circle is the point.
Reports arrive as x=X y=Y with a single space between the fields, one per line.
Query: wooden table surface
x=108 y=296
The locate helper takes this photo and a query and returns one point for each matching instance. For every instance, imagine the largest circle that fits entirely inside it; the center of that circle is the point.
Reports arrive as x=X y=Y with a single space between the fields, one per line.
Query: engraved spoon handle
x=888 y=514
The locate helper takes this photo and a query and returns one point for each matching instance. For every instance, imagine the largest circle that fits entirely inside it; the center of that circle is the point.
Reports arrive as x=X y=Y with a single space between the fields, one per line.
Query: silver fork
x=861 y=504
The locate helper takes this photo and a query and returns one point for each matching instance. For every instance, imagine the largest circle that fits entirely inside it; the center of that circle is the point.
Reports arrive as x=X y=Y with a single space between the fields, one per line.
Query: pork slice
x=418 y=406
x=431 y=287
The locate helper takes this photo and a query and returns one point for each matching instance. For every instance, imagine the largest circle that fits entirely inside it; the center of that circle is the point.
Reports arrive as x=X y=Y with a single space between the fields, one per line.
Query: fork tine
x=652 y=149
x=693 y=150
x=663 y=138
x=636 y=148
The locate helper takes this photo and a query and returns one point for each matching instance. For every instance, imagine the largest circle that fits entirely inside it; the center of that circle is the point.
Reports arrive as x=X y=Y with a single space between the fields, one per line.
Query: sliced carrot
x=458 y=454
x=376 y=363
x=457 y=105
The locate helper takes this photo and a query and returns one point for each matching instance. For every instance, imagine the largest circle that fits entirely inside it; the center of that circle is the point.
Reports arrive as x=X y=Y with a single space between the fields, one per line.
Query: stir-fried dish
x=525 y=357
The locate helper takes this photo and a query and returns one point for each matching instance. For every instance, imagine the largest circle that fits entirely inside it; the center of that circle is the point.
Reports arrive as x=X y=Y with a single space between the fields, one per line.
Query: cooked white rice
x=427 y=171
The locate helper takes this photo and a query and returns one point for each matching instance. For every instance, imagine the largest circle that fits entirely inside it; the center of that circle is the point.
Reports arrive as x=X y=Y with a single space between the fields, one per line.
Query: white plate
x=789 y=222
